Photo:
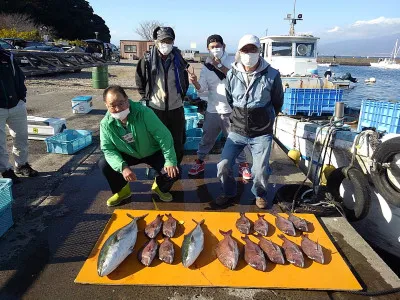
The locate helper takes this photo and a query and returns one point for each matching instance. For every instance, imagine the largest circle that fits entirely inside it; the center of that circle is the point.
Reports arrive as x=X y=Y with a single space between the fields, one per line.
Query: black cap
x=162 y=33
x=214 y=38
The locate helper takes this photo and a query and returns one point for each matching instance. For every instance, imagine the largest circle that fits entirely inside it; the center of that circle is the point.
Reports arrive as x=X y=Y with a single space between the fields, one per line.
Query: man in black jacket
x=13 y=114
x=162 y=81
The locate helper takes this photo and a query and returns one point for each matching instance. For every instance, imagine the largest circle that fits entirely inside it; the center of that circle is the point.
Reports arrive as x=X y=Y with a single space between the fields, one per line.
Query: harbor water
x=386 y=87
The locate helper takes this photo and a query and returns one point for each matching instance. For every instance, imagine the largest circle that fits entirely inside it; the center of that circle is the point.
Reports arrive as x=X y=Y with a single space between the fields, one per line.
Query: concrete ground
x=60 y=214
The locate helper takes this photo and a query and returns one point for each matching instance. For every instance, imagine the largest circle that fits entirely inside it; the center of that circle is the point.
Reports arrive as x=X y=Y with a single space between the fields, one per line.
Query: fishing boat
x=389 y=63
x=358 y=170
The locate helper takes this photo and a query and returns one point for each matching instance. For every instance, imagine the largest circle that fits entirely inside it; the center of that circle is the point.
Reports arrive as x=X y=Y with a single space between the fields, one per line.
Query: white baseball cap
x=249 y=39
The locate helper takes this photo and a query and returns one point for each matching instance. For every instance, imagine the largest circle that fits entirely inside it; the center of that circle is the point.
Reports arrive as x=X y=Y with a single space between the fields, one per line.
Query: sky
x=194 y=21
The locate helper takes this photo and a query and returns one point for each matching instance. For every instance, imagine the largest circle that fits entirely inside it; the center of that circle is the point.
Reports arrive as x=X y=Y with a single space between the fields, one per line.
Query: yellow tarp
x=207 y=270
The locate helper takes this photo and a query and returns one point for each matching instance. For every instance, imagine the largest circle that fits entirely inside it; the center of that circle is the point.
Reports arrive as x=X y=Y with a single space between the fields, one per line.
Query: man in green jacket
x=131 y=134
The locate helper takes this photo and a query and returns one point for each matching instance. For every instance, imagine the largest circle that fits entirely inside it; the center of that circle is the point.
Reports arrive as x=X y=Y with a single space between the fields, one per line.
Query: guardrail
x=33 y=62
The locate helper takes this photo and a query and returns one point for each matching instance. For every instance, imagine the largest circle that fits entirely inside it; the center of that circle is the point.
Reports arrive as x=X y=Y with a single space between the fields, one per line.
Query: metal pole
x=339 y=111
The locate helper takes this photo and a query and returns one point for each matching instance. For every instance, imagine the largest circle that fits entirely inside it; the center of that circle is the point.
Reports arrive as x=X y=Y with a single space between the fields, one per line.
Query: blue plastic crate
x=311 y=101
x=193 y=138
x=191 y=120
x=190 y=109
x=6 y=220
x=383 y=115
x=69 y=141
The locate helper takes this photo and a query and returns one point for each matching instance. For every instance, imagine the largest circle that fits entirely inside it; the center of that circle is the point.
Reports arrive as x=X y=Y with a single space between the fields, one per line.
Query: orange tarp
x=207 y=270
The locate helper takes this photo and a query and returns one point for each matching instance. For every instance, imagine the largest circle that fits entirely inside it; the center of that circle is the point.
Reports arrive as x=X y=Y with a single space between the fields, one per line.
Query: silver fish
x=166 y=251
x=312 y=249
x=154 y=227
x=292 y=252
x=299 y=223
x=169 y=226
x=193 y=244
x=272 y=250
x=117 y=247
x=243 y=224
x=253 y=255
x=148 y=252
x=227 y=250
x=261 y=225
x=284 y=225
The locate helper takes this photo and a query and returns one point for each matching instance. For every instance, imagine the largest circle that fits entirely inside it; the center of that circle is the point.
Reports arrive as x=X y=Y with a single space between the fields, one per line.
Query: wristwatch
x=219 y=66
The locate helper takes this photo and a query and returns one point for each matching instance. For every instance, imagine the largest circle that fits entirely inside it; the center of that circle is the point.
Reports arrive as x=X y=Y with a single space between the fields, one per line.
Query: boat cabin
x=291 y=55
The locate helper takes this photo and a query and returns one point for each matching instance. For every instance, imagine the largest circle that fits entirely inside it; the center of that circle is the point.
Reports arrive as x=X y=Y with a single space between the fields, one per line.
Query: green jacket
x=149 y=136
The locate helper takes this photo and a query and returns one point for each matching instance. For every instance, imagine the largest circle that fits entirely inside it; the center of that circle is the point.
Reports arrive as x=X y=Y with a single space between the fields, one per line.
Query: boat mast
x=293 y=20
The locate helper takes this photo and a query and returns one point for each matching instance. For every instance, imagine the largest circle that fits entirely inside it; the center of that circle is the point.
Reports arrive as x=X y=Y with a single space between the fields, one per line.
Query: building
x=134 y=49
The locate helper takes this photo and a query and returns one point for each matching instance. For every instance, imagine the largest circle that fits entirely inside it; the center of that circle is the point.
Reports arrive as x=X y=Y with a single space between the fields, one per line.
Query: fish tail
x=198 y=223
x=260 y=216
x=226 y=233
x=242 y=214
x=168 y=215
x=137 y=218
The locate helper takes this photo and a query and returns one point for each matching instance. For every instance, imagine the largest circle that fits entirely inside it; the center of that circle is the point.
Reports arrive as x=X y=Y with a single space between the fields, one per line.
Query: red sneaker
x=197 y=168
x=244 y=171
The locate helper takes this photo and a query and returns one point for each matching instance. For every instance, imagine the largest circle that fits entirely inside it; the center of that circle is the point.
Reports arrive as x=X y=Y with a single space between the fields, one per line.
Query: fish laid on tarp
x=227 y=250
x=253 y=255
x=292 y=252
x=166 y=251
x=148 y=252
x=312 y=249
x=243 y=224
x=117 y=247
x=193 y=244
x=272 y=250
x=261 y=225
x=169 y=226
x=284 y=225
x=299 y=223
x=154 y=227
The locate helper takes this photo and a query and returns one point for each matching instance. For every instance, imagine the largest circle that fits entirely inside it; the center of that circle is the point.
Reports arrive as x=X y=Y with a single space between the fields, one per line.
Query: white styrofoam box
x=82 y=104
x=40 y=127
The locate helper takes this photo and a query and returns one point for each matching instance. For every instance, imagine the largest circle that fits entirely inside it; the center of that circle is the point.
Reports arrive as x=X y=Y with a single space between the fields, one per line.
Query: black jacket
x=145 y=75
x=12 y=86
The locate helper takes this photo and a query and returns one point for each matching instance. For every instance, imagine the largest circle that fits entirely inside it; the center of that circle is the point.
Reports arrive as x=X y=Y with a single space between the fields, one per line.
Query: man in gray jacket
x=162 y=81
x=254 y=90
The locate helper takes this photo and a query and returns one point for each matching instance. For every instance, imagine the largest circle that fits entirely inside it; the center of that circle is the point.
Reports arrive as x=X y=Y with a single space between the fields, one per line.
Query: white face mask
x=217 y=52
x=120 y=115
x=249 y=59
x=165 y=49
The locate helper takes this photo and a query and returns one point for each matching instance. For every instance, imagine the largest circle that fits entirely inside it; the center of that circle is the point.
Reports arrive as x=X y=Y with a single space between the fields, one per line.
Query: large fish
x=299 y=223
x=312 y=249
x=166 y=251
x=148 y=252
x=273 y=251
x=193 y=244
x=154 y=227
x=292 y=252
x=261 y=226
x=284 y=225
x=253 y=255
x=169 y=226
x=243 y=224
x=227 y=250
x=117 y=247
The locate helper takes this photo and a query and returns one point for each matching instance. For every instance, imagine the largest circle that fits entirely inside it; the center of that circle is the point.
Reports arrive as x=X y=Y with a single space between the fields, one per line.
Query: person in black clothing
x=13 y=114
x=162 y=81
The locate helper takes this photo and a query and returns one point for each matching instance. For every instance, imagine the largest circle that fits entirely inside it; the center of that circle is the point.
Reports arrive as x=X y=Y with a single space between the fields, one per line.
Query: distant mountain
x=379 y=46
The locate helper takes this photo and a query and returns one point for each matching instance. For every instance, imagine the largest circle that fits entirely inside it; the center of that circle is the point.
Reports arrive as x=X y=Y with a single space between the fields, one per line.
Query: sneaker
x=165 y=197
x=261 y=202
x=117 y=198
x=197 y=168
x=11 y=175
x=26 y=170
x=244 y=171
x=222 y=200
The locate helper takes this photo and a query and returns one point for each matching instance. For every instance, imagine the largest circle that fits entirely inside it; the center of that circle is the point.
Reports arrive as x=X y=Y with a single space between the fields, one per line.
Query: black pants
x=117 y=181
x=174 y=120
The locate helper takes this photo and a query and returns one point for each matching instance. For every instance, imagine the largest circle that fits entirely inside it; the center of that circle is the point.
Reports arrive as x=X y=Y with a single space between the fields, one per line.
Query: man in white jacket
x=212 y=79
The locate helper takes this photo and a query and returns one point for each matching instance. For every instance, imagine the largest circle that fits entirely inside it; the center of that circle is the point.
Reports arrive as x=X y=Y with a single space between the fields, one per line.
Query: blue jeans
x=260 y=147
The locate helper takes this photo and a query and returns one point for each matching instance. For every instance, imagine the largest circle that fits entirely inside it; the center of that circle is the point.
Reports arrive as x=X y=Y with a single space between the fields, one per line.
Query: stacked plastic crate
x=6 y=219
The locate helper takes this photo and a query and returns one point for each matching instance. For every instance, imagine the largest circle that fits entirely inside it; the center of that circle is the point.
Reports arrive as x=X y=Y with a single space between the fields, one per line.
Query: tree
x=146 y=28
